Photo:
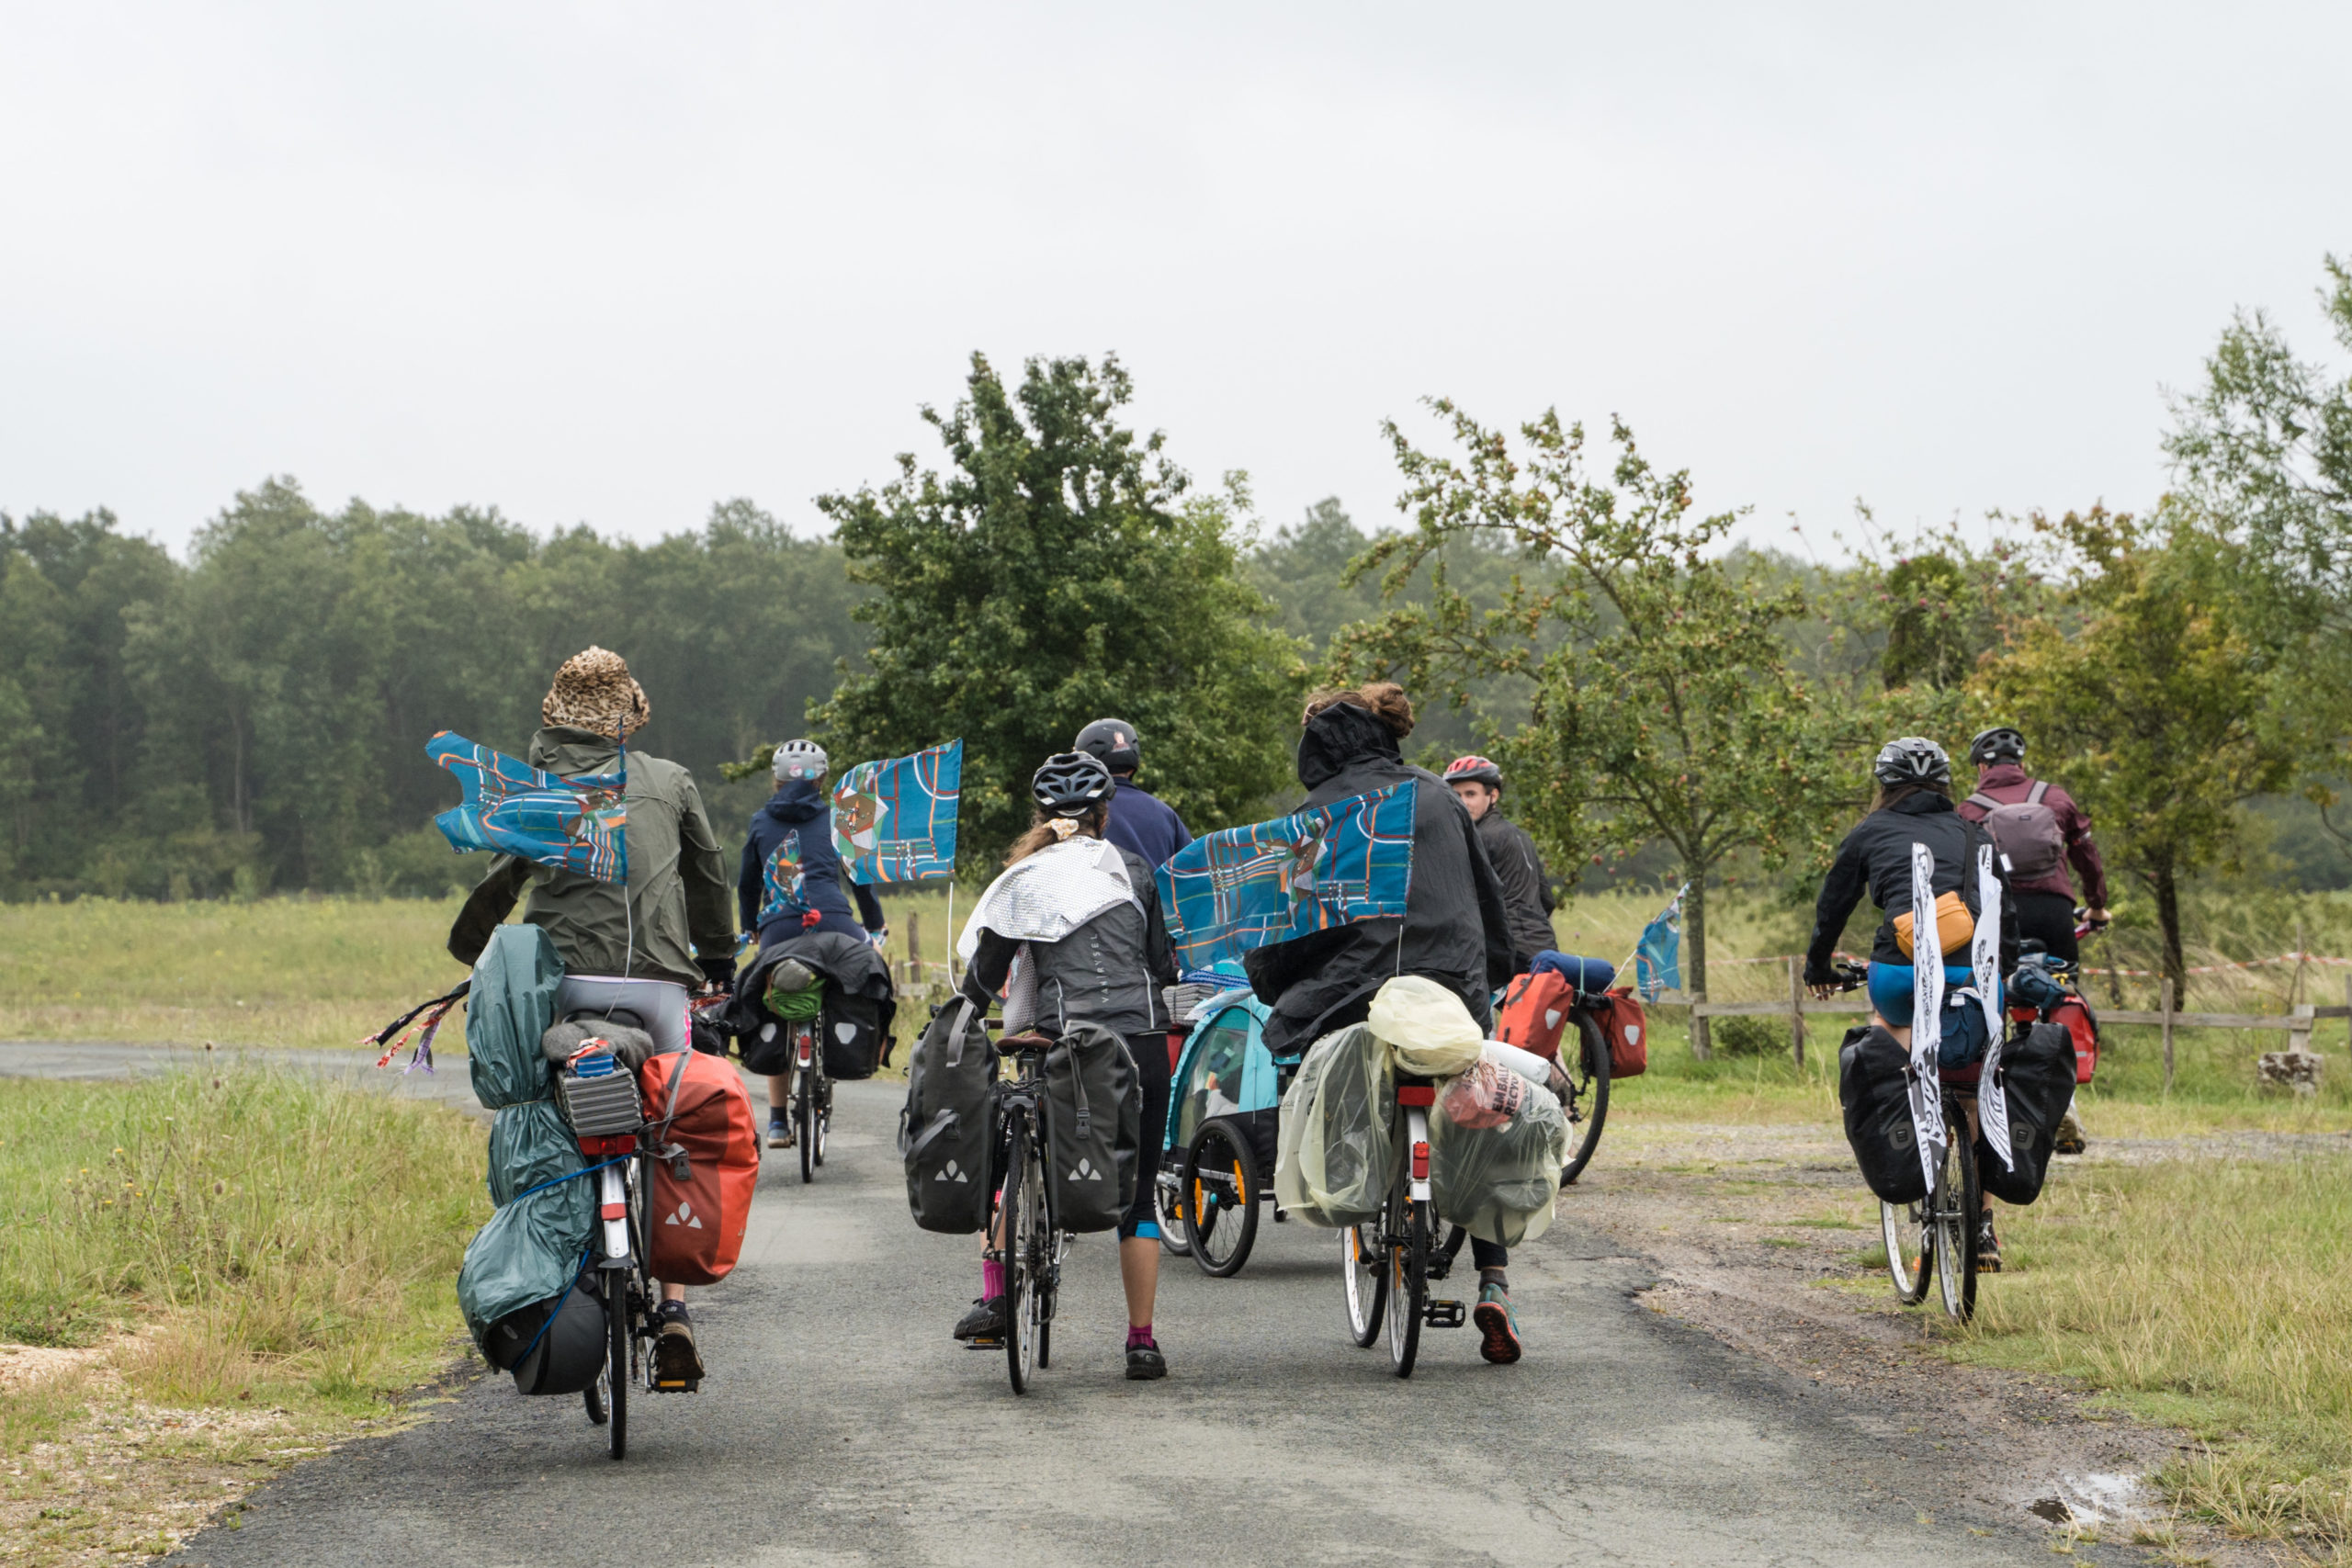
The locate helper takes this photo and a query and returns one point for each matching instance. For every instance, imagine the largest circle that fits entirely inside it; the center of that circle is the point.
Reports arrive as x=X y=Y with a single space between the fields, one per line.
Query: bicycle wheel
x=824 y=1116
x=1957 y=1203
x=1587 y=1105
x=1360 y=1256
x=1909 y=1240
x=615 y=1377
x=593 y=1396
x=1221 y=1194
x=1167 y=1204
x=804 y=1114
x=1024 y=1206
x=1408 y=1280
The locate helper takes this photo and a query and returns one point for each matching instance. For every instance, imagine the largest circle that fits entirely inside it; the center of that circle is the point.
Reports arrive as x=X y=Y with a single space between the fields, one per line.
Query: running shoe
x=984 y=1323
x=677 y=1366
x=1498 y=1324
x=779 y=1134
x=1145 y=1362
x=1988 y=1247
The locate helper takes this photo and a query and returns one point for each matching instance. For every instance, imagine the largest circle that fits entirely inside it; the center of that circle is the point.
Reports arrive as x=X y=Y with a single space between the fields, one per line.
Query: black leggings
x=1150 y=1051
x=2048 y=918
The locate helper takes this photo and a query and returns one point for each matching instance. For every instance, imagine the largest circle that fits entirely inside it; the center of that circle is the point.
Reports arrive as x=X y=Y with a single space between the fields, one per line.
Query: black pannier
x=854 y=1043
x=563 y=1356
x=1094 y=1123
x=2038 y=1076
x=947 y=1132
x=1875 y=1090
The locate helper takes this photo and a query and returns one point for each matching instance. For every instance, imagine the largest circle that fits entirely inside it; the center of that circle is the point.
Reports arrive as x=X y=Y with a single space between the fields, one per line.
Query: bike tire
x=1360 y=1255
x=824 y=1115
x=1168 y=1206
x=803 y=1113
x=617 y=1362
x=1019 y=1261
x=1958 y=1202
x=1588 y=1106
x=1221 y=1188
x=1408 y=1286
x=1910 y=1249
x=594 y=1397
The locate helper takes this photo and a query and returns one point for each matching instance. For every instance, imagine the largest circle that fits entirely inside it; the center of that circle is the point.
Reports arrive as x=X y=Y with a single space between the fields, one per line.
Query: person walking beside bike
x=1456 y=930
x=1140 y=822
x=1913 y=805
x=789 y=881
x=1072 y=932
x=1527 y=892
x=668 y=932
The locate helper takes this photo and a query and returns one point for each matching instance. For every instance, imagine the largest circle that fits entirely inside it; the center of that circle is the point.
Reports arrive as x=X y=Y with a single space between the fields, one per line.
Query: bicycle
x=1389 y=1262
x=1030 y=1244
x=812 y=1106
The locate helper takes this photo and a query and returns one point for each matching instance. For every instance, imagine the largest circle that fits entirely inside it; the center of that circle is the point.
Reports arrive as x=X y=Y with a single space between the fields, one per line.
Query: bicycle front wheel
x=1587 y=1104
x=1408 y=1282
x=1958 y=1203
x=1360 y=1255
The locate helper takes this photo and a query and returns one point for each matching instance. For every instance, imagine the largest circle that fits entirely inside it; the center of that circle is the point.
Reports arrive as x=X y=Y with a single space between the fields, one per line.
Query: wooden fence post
x=1699 y=1051
x=1796 y=1013
x=2164 y=990
x=914 y=948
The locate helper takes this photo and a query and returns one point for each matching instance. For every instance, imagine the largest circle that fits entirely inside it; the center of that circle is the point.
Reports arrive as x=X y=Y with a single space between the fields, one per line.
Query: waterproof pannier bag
x=1334 y=1144
x=1495 y=1159
x=947 y=1130
x=552 y=1346
x=852 y=1034
x=530 y=1252
x=1094 y=1127
x=1534 y=1008
x=1626 y=1028
x=2082 y=1025
x=2038 y=1076
x=698 y=1103
x=1873 y=1091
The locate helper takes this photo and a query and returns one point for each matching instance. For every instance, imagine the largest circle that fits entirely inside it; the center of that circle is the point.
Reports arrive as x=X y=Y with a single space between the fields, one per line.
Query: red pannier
x=698 y=1223
x=1626 y=1028
x=1534 y=1010
x=2081 y=1026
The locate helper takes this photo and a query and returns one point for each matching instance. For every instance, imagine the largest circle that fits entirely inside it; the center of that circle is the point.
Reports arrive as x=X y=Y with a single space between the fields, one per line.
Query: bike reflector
x=1420 y=1162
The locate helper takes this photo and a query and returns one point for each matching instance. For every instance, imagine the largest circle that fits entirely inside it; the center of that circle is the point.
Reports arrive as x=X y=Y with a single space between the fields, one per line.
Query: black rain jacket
x=1876 y=858
x=1526 y=892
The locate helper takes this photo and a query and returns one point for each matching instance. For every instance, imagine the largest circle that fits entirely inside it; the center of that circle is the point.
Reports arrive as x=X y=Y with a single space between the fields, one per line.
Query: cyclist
x=1455 y=930
x=668 y=932
x=1527 y=892
x=1913 y=805
x=1140 y=821
x=1082 y=918
x=789 y=881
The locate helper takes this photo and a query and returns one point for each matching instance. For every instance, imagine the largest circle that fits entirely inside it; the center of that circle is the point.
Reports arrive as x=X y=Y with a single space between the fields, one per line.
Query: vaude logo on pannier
x=1086 y=1172
x=684 y=1216
x=949 y=1173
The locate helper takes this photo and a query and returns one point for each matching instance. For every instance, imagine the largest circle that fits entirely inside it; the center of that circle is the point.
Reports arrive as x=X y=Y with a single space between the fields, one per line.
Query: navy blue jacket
x=1145 y=826
x=797 y=820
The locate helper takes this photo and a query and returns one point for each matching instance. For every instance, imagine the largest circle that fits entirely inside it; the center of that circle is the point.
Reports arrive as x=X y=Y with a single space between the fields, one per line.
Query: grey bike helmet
x=2001 y=743
x=799 y=760
x=1114 y=740
x=1914 y=760
x=1070 y=783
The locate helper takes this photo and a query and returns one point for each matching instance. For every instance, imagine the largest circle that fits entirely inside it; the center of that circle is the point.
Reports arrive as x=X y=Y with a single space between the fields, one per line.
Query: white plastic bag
x=1335 y=1150
x=1425 y=1027
x=1498 y=1181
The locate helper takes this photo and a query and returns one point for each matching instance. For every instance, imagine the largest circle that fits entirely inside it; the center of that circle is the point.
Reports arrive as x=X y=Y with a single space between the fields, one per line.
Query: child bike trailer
x=1218 y=1151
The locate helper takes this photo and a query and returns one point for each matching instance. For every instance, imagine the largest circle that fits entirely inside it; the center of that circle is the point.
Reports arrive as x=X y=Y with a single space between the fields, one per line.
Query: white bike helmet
x=799 y=760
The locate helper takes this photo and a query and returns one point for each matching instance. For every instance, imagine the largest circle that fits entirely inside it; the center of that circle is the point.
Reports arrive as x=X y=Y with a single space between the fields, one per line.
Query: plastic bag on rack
x=1497 y=1144
x=1336 y=1147
x=1426 y=1026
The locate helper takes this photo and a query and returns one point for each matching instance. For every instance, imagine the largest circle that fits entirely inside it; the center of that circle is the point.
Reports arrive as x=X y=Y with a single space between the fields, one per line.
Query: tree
x=1663 y=703
x=2156 y=709
x=1057 y=574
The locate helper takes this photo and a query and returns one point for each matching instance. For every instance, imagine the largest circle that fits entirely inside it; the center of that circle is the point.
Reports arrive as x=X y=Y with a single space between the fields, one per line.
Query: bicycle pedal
x=1444 y=1315
x=982 y=1342
x=683 y=1385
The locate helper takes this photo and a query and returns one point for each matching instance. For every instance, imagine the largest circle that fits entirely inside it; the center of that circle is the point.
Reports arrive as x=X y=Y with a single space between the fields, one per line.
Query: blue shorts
x=1891 y=989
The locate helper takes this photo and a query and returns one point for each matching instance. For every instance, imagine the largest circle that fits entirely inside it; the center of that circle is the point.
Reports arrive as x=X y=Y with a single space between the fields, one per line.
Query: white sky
x=609 y=262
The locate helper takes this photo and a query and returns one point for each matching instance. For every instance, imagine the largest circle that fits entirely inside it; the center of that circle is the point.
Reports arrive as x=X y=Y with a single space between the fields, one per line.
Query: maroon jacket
x=2007 y=783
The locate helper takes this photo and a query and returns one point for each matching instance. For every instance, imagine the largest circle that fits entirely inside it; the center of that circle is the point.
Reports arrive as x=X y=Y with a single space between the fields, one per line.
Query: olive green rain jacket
x=680 y=902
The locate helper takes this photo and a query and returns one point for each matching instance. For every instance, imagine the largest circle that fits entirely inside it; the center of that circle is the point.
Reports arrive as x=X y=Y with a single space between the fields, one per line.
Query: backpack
x=1621 y=1022
x=1093 y=1128
x=2038 y=1076
x=697 y=1103
x=2027 y=833
x=1533 y=1009
x=947 y=1130
x=1874 y=1093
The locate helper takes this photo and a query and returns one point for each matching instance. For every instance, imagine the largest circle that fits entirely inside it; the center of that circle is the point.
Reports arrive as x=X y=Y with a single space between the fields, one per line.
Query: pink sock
x=1140 y=1337
x=991 y=1278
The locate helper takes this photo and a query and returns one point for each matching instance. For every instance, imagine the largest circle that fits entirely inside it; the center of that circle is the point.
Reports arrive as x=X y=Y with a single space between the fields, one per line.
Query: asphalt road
x=842 y=1426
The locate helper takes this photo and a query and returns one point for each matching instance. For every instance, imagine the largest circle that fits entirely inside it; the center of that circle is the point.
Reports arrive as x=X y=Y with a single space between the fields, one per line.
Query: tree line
x=1666 y=703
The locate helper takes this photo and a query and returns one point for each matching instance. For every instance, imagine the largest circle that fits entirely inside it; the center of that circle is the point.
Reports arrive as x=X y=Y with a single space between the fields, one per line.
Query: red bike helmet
x=1473 y=770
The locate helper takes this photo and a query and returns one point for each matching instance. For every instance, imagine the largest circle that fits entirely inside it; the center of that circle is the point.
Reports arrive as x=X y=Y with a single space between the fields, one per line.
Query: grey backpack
x=2025 y=833
x=948 y=1133
x=1094 y=1125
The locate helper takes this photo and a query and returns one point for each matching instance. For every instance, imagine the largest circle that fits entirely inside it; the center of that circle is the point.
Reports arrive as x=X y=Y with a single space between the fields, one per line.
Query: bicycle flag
x=512 y=808
x=1329 y=865
x=1657 y=957
x=894 y=821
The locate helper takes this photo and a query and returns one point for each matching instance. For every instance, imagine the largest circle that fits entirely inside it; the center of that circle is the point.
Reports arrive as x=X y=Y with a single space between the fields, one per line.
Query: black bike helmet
x=1914 y=760
x=1070 y=783
x=2001 y=743
x=1114 y=740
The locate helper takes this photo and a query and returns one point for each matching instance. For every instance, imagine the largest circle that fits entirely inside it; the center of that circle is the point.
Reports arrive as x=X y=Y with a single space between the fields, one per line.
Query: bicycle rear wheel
x=1587 y=1105
x=1167 y=1203
x=615 y=1377
x=1408 y=1280
x=1024 y=1203
x=804 y=1111
x=1360 y=1255
x=1909 y=1241
x=824 y=1113
x=1957 y=1206
x=1221 y=1196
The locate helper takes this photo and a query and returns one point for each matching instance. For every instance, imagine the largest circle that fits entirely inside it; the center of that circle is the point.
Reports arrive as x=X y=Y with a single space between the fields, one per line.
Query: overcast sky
x=608 y=263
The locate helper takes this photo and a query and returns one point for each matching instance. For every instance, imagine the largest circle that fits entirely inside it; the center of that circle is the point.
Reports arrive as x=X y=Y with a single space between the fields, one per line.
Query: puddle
x=2090 y=1499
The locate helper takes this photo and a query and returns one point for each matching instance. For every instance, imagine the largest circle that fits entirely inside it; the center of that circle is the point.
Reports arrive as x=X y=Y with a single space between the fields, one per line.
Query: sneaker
x=1988 y=1247
x=2069 y=1139
x=779 y=1134
x=1145 y=1362
x=1498 y=1324
x=985 y=1321
x=677 y=1364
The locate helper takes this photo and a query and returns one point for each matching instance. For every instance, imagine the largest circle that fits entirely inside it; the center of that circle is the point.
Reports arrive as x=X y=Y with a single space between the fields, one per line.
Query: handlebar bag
x=1093 y=1128
x=697 y=1225
x=1534 y=1008
x=2038 y=1075
x=947 y=1130
x=1876 y=1099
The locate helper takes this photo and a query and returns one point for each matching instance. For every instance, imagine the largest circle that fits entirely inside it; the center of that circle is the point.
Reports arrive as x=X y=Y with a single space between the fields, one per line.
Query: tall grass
x=261 y=1232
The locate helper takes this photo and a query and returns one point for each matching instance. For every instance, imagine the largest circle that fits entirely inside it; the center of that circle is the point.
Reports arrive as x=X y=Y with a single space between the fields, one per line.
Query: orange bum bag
x=1954 y=925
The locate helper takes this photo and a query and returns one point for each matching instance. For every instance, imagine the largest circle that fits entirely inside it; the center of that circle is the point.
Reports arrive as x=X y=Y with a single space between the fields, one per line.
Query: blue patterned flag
x=895 y=821
x=512 y=808
x=1657 y=958
x=1328 y=865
